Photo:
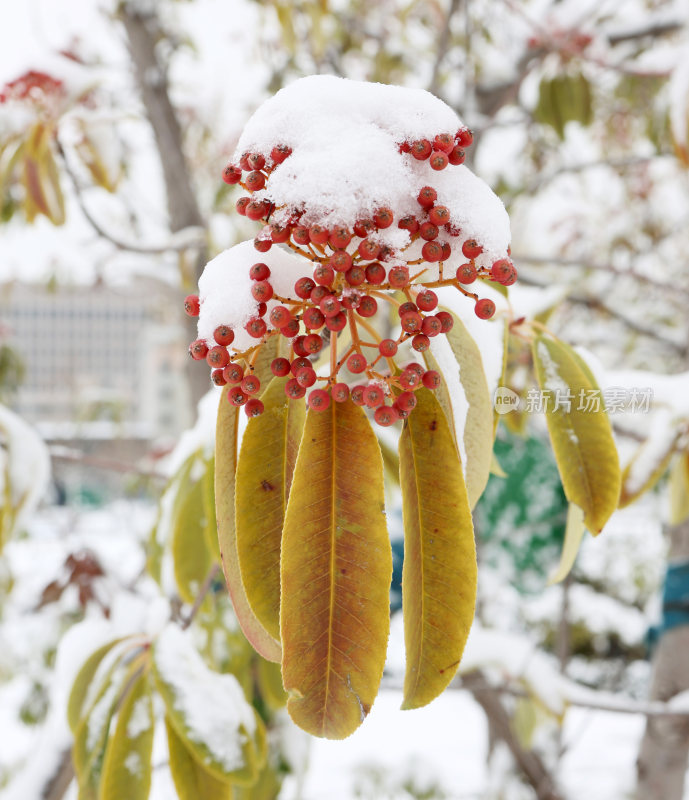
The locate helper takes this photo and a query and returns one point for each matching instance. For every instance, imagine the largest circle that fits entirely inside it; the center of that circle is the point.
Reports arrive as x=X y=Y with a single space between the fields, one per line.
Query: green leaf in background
x=191 y=780
x=191 y=556
x=562 y=99
x=80 y=687
x=574 y=533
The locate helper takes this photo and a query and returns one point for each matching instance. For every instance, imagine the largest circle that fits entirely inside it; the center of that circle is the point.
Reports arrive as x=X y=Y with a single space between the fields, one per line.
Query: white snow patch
x=132 y=764
x=140 y=719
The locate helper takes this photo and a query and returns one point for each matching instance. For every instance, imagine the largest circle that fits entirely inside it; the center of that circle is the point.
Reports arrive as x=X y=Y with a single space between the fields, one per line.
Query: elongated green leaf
x=77 y=696
x=208 y=710
x=581 y=437
x=574 y=533
x=191 y=557
x=211 y=527
x=649 y=464
x=191 y=780
x=439 y=572
x=127 y=767
x=225 y=471
x=264 y=473
x=679 y=490
x=336 y=572
x=269 y=680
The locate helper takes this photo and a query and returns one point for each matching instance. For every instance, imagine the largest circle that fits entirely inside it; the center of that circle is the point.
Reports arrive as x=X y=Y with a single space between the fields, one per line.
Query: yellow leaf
x=336 y=572
x=264 y=473
x=190 y=554
x=439 y=571
x=647 y=467
x=679 y=490
x=478 y=428
x=574 y=533
x=127 y=767
x=496 y=469
x=191 y=780
x=225 y=471
x=211 y=527
x=582 y=439
x=77 y=696
x=269 y=679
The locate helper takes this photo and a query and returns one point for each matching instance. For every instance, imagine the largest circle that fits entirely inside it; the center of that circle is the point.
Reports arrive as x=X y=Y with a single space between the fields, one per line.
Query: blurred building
x=102 y=362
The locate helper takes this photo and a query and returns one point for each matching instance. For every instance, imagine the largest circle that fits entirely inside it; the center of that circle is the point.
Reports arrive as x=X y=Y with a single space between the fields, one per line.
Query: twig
x=443 y=46
x=203 y=591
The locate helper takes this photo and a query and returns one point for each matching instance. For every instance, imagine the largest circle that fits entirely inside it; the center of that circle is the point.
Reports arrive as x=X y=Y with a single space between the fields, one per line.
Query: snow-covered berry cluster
x=360 y=216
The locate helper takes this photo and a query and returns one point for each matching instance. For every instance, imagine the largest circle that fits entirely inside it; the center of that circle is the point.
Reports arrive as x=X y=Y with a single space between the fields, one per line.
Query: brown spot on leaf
x=267 y=486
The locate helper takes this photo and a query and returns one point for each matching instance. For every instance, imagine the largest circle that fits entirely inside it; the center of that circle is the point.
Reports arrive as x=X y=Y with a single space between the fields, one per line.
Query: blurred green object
x=522 y=516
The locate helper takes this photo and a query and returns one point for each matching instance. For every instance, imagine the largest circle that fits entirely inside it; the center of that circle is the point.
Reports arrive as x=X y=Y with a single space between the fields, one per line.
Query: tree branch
x=443 y=46
x=203 y=591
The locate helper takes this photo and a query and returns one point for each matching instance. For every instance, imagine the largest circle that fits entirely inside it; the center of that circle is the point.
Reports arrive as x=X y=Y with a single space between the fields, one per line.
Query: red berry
x=192 y=305
x=236 y=396
x=355 y=276
x=259 y=272
x=375 y=273
x=363 y=227
x=318 y=400
x=367 y=306
x=336 y=323
x=444 y=142
x=256 y=327
x=303 y=288
x=300 y=235
x=466 y=273
x=298 y=364
x=438 y=160
x=279 y=367
x=318 y=293
x=306 y=376
x=368 y=250
x=318 y=234
x=244 y=161
x=429 y=231
x=329 y=305
x=447 y=251
x=218 y=378
x=471 y=249
x=340 y=392
x=256 y=161
x=406 y=401
x=398 y=277
x=218 y=357
x=456 y=156
x=420 y=342
x=233 y=373
x=350 y=300
x=254 y=407
x=388 y=348
x=291 y=329
x=324 y=275
x=383 y=217
x=511 y=279
x=313 y=318
x=411 y=322
x=409 y=379
x=432 y=251
x=256 y=209
x=280 y=153
x=427 y=196
x=439 y=215
x=385 y=416
x=427 y=300
x=339 y=238
x=294 y=390
x=340 y=261
x=279 y=316
x=373 y=395
x=298 y=346
x=464 y=137
x=421 y=149
x=446 y=321
x=255 y=181
x=414 y=366
x=484 y=309
x=280 y=233
x=223 y=335
x=231 y=174
x=313 y=343
x=357 y=395
x=356 y=363
x=431 y=326
x=250 y=384
x=262 y=245
x=241 y=205
x=405 y=308
x=262 y=291
x=261 y=309
x=431 y=379
x=501 y=270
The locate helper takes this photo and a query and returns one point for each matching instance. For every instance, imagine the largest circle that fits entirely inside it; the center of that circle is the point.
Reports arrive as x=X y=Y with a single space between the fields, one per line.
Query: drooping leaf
x=190 y=554
x=679 y=490
x=439 y=572
x=80 y=687
x=225 y=472
x=127 y=768
x=574 y=533
x=269 y=679
x=651 y=460
x=336 y=571
x=562 y=99
x=581 y=437
x=191 y=780
x=264 y=474
x=208 y=710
